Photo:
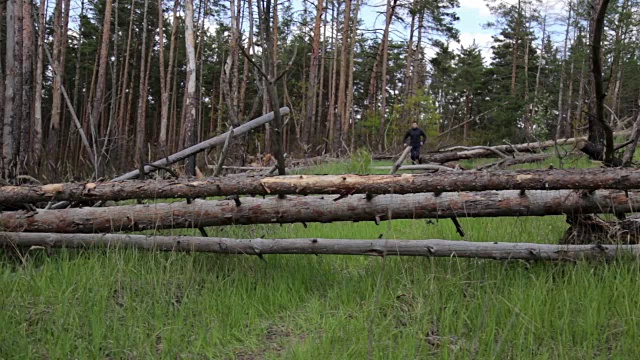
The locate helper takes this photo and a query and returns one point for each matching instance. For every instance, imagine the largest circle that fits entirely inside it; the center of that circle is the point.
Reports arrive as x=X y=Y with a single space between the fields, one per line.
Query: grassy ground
x=127 y=304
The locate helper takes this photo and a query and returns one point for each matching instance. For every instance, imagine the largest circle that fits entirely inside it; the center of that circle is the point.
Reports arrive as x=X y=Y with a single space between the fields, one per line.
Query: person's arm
x=407 y=135
x=423 y=135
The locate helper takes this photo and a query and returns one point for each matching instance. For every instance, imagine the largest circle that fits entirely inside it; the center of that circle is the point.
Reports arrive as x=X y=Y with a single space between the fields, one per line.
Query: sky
x=473 y=15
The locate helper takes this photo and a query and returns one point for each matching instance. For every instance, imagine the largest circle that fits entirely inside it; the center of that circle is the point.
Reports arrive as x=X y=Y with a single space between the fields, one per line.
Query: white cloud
x=475 y=6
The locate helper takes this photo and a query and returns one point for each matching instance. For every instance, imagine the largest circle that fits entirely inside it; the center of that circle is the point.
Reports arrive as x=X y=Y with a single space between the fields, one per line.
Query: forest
x=102 y=86
x=229 y=179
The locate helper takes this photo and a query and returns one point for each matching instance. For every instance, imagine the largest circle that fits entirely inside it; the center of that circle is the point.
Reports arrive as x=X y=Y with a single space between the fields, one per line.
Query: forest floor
x=128 y=304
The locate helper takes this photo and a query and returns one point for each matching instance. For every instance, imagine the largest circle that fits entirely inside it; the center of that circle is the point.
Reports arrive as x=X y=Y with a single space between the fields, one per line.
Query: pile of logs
x=73 y=215
x=320 y=198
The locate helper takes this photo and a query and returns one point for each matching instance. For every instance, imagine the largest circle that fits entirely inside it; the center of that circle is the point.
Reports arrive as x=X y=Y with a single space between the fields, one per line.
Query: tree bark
x=26 y=153
x=19 y=122
x=36 y=141
x=317 y=246
x=514 y=60
x=320 y=104
x=592 y=179
x=190 y=93
x=342 y=93
x=10 y=79
x=96 y=107
x=322 y=209
x=597 y=121
x=352 y=44
x=142 y=98
x=331 y=112
x=391 y=6
x=168 y=95
x=313 y=77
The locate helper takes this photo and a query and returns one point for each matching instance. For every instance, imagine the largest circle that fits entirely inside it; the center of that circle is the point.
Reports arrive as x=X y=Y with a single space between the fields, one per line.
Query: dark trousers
x=415 y=153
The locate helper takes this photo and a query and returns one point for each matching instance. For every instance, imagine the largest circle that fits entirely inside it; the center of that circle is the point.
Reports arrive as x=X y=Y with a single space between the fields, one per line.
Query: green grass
x=128 y=304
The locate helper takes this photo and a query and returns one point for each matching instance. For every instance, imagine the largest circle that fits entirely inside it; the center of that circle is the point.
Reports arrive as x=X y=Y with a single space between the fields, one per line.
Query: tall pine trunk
x=142 y=101
x=36 y=141
x=9 y=110
x=27 y=89
x=344 y=61
x=96 y=107
x=313 y=77
x=383 y=73
x=190 y=94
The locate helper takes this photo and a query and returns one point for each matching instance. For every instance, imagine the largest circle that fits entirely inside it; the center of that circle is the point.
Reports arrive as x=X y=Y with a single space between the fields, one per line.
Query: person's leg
x=418 y=155
x=415 y=153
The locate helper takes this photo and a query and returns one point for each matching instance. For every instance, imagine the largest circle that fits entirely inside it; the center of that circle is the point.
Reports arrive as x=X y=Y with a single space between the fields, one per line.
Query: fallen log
x=400 y=160
x=503 y=163
x=305 y=209
x=553 y=179
x=215 y=141
x=414 y=167
x=457 y=153
x=315 y=246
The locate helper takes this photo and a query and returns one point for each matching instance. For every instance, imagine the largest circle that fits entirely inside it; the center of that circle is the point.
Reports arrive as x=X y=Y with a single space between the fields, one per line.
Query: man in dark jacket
x=417 y=138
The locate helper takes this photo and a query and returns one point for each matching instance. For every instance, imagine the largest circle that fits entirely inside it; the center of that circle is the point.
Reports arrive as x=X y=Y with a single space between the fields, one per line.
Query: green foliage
x=360 y=161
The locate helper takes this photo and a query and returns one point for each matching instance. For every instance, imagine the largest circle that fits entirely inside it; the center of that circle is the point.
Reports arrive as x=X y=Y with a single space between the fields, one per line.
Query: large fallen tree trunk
x=302 y=209
x=461 y=153
x=382 y=247
x=555 y=179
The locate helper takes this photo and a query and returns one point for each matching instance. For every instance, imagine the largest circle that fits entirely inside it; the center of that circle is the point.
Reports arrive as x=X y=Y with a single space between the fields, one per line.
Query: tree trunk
x=599 y=95
x=592 y=179
x=331 y=116
x=320 y=104
x=563 y=123
x=514 y=59
x=349 y=110
x=166 y=94
x=190 y=93
x=313 y=78
x=342 y=93
x=54 y=124
x=36 y=141
x=270 y=68
x=315 y=246
x=409 y=60
x=141 y=122
x=28 y=58
x=245 y=70
x=615 y=61
x=96 y=107
x=383 y=91
x=20 y=121
x=318 y=209
x=9 y=100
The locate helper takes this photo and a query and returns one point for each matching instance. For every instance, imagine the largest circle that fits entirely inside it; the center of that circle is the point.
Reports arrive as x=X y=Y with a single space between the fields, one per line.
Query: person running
x=417 y=138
